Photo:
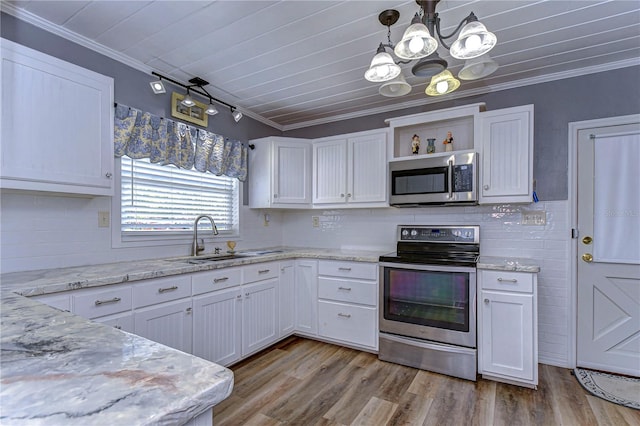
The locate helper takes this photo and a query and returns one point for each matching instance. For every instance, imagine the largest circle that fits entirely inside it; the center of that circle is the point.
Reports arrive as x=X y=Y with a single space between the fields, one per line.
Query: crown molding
x=471 y=92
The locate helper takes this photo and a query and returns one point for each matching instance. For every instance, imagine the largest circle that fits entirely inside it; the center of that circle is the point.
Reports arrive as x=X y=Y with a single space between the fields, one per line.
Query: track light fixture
x=157 y=86
x=419 y=43
x=196 y=86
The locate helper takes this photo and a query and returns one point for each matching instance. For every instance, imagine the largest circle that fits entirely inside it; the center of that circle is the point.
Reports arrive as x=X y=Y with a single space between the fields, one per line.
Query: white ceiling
x=292 y=64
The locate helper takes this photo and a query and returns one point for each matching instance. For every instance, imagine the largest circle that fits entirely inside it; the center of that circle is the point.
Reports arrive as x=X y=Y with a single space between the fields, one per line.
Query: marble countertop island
x=60 y=369
x=514 y=264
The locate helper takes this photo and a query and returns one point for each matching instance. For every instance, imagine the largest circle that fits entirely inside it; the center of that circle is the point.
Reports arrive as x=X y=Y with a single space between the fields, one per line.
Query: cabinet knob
x=239 y=297
x=341 y=195
x=189 y=311
x=108 y=175
x=275 y=195
x=348 y=195
x=486 y=301
x=486 y=187
x=118 y=327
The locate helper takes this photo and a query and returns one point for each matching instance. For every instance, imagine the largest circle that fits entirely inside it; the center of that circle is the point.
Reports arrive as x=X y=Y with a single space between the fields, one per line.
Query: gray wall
x=557 y=103
x=131 y=86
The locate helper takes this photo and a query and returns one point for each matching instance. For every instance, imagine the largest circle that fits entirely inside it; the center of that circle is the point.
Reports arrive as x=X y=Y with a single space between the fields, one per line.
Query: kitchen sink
x=198 y=260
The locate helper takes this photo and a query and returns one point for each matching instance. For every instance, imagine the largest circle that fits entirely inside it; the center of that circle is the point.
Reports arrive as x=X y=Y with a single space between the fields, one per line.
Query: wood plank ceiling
x=296 y=63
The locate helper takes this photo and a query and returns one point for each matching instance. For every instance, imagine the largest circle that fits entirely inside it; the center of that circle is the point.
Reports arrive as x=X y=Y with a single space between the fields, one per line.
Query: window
x=162 y=200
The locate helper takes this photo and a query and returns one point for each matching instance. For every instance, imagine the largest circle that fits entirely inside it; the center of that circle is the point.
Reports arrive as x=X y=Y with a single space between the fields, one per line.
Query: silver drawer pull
x=164 y=290
x=104 y=302
x=507 y=281
x=344 y=315
x=217 y=280
x=189 y=310
x=263 y=271
x=344 y=288
x=344 y=269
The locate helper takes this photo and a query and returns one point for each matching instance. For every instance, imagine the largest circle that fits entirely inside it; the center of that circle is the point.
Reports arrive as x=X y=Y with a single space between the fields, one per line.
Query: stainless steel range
x=428 y=299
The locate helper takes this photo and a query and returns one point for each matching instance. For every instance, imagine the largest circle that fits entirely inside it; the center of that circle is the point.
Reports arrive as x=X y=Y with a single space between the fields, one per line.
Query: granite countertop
x=508 y=264
x=58 y=368
x=46 y=281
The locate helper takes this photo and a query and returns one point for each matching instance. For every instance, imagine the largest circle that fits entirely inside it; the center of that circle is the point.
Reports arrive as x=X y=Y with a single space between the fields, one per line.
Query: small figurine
x=448 y=142
x=431 y=148
x=415 y=144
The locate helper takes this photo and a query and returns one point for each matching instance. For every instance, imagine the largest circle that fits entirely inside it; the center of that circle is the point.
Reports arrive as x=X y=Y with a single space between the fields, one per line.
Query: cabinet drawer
x=365 y=271
x=98 y=303
x=161 y=290
x=205 y=282
x=520 y=282
x=260 y=271
x=363 y=292
x=348 y=323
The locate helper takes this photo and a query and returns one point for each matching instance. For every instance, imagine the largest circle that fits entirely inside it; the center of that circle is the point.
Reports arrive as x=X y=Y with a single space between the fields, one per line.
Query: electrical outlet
x=266 y=218
x=534 y=217
x=103 y=219
x=315 y=220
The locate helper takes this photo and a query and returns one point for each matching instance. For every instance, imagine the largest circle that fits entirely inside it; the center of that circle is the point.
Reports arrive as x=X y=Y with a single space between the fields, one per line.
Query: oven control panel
x=443 y=234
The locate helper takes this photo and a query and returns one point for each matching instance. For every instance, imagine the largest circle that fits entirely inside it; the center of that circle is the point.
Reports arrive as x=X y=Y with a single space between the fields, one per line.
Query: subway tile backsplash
x=47 y=231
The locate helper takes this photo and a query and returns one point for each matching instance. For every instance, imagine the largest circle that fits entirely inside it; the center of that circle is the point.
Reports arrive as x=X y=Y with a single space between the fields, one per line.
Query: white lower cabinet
x=348 y=303
x=259 y=315
x=123 y=321
x=217 y=319
x=306 y=297
x=169 y=323
x=508 y=329
x=59 y=301
x=286 y=298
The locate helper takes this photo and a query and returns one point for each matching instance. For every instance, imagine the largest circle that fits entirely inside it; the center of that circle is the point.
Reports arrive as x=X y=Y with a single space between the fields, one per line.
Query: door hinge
x=574 y=233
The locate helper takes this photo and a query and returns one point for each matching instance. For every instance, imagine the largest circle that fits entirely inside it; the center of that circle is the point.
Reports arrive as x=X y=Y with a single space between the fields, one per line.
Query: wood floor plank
x=376 y=412
x=340 y=386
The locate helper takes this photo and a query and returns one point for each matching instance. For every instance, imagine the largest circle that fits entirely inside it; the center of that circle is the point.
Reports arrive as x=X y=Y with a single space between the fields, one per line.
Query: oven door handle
x=428 y=267
x=450 y=178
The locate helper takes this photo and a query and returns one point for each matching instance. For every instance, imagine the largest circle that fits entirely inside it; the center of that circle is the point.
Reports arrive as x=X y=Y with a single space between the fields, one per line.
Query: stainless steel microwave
x=437 y=180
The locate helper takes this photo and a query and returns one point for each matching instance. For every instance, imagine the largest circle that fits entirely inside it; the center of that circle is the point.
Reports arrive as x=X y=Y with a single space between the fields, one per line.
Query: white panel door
x=367 y=168
x=330 y=171
x=170 y=324
x=292 y=172
x=57 y=124
x=507 y=155
x=608 y=249
x=306 y=294
x=507 y=334
x=259 y=315
x=286 y=294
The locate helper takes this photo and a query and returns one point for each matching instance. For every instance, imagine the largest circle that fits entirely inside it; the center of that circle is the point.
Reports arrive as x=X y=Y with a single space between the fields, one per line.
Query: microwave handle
x=450 y=178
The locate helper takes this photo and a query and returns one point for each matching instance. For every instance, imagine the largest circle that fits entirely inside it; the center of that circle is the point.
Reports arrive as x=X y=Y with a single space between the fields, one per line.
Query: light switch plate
x=534 y=217
x=103 y=219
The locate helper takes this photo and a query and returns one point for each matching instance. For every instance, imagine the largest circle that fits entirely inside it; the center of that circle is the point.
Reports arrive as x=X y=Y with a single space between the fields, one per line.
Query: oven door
x=430 y=302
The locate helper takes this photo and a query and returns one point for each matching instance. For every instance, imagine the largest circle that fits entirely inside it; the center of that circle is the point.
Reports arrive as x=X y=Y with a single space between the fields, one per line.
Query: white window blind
x=157 y=198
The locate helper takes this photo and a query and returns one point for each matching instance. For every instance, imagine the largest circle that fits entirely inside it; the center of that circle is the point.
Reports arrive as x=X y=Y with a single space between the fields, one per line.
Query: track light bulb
x=157 y=87
x=237 y=115
x=188 y=100
x=211 y=109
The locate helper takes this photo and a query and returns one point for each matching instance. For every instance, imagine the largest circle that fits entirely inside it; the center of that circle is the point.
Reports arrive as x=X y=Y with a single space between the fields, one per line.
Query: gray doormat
x=620 y=390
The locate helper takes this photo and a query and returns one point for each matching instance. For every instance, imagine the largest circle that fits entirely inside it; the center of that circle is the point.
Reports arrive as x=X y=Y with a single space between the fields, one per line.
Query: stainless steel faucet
x=197 y=247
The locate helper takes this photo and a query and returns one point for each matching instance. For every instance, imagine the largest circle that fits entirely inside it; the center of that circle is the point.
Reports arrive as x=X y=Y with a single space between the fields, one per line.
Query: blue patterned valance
x=140 y=134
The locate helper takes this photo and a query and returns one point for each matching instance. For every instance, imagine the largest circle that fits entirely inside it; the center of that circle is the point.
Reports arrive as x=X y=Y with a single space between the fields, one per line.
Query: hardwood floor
x=305 y=382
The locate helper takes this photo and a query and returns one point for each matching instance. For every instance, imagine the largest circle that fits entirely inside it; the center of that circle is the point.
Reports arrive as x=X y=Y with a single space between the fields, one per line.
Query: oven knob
x=405 y=232
x=414 y=232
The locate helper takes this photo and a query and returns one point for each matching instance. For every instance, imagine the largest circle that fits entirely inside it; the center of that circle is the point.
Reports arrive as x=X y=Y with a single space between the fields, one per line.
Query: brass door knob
x=587 y=240
x=587 y=257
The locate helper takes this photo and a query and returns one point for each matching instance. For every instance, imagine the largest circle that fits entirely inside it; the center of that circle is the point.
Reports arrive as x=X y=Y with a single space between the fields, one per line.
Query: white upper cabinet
x=506 y=154
x=57 y=124
x=351 y=170
x=280 y=173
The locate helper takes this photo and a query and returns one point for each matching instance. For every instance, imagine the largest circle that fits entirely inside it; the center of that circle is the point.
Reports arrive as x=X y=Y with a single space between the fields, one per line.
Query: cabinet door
x=170 y=324
x=286 y=289
x=507 y=155
x=70 y=147
x=216 y=326
x=330 y=171
x=367 y=169
x=122 y=321
x=59 y=301
x=292 y=173
x=507 y=341
x=259 y=315
x=306 y=294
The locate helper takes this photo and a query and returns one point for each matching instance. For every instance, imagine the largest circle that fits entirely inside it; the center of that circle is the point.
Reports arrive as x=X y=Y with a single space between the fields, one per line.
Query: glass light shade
x=479 y=67
x=474 y=40
x=396 y=87
x=442 y=84
x=237 y=115
x=188 y=101
x=429 y=66
x=382 y=68
x=157 y=87
x=211 y=110
x=416 y=43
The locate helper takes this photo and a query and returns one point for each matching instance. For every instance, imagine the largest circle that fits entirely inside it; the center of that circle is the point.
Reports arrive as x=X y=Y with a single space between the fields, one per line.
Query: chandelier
x=419 y=43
